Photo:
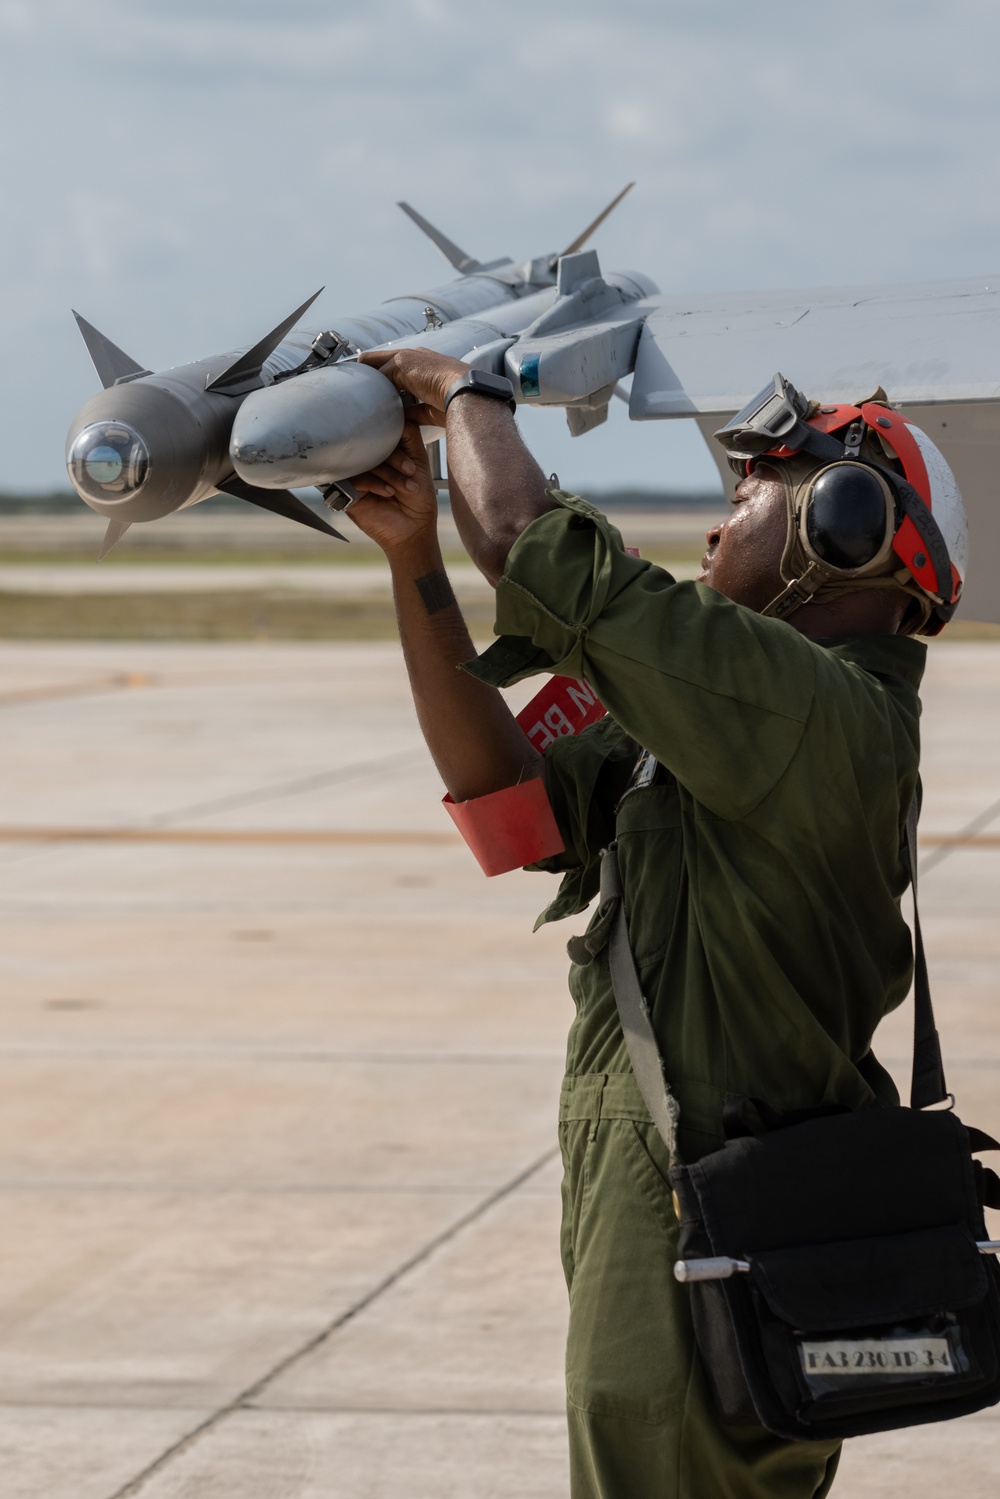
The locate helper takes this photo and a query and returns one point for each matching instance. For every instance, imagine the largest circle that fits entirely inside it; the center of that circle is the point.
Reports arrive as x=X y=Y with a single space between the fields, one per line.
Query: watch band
x=482 y=383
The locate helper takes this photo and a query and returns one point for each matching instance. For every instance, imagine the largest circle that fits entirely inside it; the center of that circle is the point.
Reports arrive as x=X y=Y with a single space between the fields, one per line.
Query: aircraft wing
x=933 y=346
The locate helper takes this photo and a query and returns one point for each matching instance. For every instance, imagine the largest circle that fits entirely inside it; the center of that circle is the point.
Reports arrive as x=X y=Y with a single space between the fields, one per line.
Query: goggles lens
x=849 y=516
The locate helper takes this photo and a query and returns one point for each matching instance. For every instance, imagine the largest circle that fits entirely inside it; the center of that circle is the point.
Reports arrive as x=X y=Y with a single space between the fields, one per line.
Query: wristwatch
x=482 y=383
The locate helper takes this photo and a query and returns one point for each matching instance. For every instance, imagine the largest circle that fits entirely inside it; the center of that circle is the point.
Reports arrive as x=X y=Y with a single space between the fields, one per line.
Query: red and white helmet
x=873 y=499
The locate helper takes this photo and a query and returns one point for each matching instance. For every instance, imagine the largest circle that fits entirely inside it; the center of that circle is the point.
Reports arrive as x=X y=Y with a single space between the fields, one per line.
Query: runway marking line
x=120 y=679
x=373 y=837
x=345 y=836
x=960 y=840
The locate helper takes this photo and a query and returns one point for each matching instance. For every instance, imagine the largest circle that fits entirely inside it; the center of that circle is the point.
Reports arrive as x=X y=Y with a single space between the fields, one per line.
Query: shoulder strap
x=633 y=1011
x=927 y=1084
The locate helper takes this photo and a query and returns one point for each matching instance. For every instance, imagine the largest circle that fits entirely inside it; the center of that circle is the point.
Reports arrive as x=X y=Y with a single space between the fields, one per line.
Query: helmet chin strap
x=800 y=591
x=803 y=578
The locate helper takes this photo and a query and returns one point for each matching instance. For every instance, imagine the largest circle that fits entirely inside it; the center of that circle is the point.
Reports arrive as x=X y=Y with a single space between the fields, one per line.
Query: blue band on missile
x=527 y=373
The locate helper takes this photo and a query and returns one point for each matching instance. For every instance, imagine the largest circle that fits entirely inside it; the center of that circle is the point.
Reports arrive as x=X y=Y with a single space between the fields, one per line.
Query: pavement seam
x=342 y=837
x=358 y=770
x=276 y=790
x=963 y=835
x=244 y=1400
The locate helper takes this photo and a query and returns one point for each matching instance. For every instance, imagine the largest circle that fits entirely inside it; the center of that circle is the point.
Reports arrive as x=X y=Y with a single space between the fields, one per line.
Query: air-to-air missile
x=298 y=410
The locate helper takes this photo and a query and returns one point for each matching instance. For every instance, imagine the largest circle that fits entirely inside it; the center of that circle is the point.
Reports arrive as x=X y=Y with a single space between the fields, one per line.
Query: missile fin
x=466 y=264
x=112 y=536
x=581 y=419
x=280 y=502
x=111 y=363
x=582 y=239
x=244 y=373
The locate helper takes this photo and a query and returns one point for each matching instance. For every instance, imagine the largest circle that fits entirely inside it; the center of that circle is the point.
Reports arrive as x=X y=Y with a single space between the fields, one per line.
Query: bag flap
x=861 y=1283
x=875 y=1172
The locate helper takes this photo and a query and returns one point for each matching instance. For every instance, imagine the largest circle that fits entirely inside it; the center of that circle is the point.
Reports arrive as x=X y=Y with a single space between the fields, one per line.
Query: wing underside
x=935 y=349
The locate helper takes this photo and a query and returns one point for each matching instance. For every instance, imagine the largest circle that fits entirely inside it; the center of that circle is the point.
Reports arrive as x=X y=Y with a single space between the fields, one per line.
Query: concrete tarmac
x=338 y=581
x=278 y=1084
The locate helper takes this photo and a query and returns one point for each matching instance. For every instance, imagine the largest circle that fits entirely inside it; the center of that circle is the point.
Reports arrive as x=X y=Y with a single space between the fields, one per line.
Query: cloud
x=184 y=169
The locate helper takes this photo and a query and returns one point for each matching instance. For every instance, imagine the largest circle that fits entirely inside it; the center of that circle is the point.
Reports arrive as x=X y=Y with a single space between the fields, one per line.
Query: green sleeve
x=585 y=777
x=717 y=693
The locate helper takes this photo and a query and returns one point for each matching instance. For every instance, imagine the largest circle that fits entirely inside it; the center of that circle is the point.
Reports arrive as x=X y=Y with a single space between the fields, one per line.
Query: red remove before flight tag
x=516 y=826
x=561 y=709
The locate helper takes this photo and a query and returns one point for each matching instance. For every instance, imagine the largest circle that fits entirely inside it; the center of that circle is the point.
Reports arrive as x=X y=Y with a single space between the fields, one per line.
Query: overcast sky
x=184 y=172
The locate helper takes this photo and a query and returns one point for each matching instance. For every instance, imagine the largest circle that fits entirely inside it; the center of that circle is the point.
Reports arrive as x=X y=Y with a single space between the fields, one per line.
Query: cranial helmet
x=872 y=501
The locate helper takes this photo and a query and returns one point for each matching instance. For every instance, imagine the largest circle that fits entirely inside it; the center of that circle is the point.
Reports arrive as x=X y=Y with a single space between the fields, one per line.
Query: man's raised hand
x=423 y=374
x=398 y=502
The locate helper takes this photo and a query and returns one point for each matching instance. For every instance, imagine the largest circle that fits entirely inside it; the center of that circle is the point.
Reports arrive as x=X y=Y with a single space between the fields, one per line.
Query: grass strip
x=249 y=615
x=336 y=557
x=208 y=616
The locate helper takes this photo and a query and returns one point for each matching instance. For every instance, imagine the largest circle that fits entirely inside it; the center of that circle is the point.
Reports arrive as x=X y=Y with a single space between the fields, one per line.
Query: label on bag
x=897 y=1357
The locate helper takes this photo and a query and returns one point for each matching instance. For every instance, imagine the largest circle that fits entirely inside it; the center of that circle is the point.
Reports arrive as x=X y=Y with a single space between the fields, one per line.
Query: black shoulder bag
x=840 y=1275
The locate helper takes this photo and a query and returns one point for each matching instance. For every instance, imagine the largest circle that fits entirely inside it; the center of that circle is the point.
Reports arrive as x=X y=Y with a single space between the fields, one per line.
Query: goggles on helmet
x=852 y=511
x=766 y=422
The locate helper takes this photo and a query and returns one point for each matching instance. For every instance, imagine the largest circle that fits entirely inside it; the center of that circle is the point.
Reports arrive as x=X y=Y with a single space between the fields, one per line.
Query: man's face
x=743 y=560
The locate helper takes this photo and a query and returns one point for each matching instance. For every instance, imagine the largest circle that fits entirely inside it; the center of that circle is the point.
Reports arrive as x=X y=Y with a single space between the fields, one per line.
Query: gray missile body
x=297 y=409
x=149 y=444
x=325 y=424
x=330 y=423
x=579 y=337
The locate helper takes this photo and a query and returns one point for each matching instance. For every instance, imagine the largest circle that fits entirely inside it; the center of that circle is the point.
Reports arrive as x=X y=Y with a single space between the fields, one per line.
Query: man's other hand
x=398 y=504
x=425 y=375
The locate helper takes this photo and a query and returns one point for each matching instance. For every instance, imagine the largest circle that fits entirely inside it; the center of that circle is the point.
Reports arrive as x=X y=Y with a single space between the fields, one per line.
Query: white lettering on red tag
x=561 y=709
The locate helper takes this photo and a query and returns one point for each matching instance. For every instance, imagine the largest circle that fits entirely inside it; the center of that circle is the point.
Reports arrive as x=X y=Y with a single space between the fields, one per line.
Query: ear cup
x=848 y=516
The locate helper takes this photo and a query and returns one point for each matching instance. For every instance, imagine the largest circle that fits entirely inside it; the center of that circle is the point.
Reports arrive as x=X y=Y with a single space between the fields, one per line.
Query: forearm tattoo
x=435 y=590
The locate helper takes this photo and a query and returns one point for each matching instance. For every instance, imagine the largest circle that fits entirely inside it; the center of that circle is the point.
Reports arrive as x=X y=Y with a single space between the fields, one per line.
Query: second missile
x=322 y=426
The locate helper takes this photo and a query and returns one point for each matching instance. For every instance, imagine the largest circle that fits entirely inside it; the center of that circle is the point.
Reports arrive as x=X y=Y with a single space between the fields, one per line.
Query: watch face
x=494 y=385
x=482 y=382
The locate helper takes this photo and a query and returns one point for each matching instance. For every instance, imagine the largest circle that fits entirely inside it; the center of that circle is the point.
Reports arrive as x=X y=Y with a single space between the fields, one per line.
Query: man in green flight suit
x=756 y=765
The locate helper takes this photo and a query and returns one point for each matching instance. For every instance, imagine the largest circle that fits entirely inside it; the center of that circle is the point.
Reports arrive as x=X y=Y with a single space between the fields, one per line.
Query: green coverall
x=762 y=878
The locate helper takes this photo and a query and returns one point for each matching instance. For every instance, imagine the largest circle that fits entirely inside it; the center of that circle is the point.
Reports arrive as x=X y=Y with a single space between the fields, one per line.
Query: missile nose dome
x=138 y=451
x=108 y=461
